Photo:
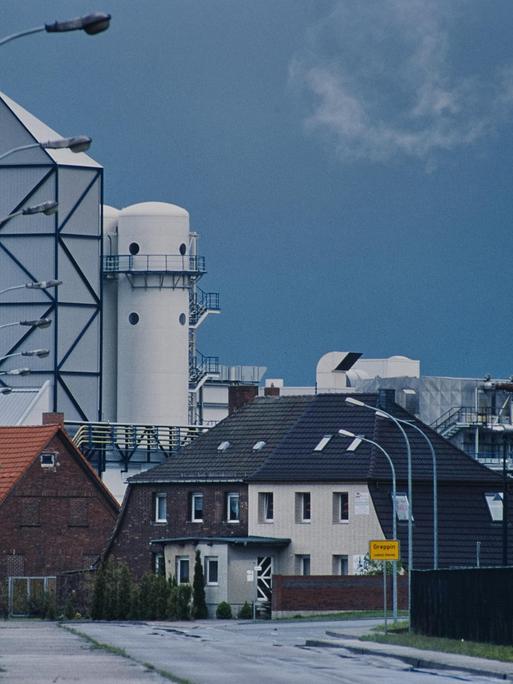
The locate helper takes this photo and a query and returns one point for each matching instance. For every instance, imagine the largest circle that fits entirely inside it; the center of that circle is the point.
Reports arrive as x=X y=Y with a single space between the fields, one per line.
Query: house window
x=340 y=565
x=182 y=569
x=212 y=570
x=159 y=564
x=47 y=459
x=160 y=507
x=303 y=564
x=494 y=501
x=265 y=507
x=197 y=507
x=402 y=507
x=233 y=507
x=303 y=507
x=30 y=508
x=340 y=507
x=78 y=513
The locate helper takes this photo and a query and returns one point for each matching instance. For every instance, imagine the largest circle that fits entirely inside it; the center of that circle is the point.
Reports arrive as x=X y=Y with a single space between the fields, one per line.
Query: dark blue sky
x=348 y=164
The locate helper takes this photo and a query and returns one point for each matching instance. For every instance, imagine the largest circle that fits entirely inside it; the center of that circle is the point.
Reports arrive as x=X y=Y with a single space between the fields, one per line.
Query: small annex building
x=56 y=514
x=273 y=487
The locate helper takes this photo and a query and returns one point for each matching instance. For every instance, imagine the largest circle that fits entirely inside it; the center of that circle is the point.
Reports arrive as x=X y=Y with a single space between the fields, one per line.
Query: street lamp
x=357 y=440
x=46 y=208
x=91 y=24
x=385 y=414
x=39 y=285
x=16 y=371
x=501 y=428
x=5 y=390
x=40 y=353
x=34 y=323
x=413 y=425
x=78 y=143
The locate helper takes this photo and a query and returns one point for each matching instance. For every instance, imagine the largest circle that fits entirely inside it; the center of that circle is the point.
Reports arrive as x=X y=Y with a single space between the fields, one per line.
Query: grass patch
x=346 y=615
x=459 y=646
x=121 y=652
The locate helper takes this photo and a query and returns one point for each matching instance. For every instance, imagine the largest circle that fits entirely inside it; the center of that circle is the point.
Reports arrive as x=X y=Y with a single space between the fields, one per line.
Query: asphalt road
x=209 y=652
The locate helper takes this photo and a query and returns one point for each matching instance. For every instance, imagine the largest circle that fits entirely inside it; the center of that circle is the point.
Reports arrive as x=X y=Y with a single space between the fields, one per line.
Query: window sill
x=159 y=522
x=232 y=522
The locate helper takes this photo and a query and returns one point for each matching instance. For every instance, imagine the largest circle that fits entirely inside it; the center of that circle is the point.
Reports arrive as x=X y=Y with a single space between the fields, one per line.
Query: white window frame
x=339 y=497
x=263 y=500
x=340 y=563
x=159 y=563
x=160 y=497
x=304 y=561
x=194 y=497
x=50 y=457
x=302 y=498
x=229 y=497
x=208 y=561
x=179 y=561
x=496 y=511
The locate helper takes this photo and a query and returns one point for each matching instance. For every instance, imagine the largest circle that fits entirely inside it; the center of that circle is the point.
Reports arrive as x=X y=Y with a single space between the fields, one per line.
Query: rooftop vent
x=223 y=446
x=259 y=445
x=325 y=440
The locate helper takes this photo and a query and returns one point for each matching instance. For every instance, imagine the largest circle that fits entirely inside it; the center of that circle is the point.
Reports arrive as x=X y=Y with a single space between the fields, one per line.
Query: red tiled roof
x=19 y=446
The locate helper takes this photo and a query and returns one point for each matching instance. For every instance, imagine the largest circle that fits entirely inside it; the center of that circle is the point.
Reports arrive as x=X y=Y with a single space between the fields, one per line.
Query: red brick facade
x=56 y=518
x=326 y=592
x=137 y=527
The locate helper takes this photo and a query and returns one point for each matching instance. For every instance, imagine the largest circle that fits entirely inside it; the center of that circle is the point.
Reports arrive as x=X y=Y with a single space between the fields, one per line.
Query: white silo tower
x=110 y=314
x=154 y=256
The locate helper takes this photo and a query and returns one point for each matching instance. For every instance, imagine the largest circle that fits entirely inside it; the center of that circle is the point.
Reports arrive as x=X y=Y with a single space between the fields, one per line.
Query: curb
x=416 y=661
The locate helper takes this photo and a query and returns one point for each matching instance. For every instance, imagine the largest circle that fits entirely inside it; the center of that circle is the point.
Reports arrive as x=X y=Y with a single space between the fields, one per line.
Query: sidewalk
x=418 y=658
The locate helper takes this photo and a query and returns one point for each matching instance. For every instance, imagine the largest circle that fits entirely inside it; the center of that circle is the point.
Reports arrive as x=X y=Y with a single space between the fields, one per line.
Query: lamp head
x=346 y=433
x=354 y=402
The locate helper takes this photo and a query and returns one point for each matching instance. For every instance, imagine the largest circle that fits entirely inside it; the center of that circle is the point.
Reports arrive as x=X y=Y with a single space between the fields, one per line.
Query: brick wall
x=41 y=529
x=137 y=526
x=334 y=593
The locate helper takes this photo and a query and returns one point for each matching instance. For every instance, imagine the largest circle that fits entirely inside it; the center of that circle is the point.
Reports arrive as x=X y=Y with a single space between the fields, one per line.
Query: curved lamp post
x=40 y=353
x=78 y=143
x=91 y=24
x=48 y=208
x=384 y=414
x=413 y=425
x=34 y=323
x=39 y=285
x=357 y=439
x=16 y=371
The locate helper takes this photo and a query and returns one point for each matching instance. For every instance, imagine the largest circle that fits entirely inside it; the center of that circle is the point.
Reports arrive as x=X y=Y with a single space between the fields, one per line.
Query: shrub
x=224 y=611
x=199 y=605
x=183 y=601
x=98 y=607
x=246 y=612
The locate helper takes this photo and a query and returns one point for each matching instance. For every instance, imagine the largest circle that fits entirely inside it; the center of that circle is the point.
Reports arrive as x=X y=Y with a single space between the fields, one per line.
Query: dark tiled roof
x=295 y=459
x=266 y=419
x=293 y=426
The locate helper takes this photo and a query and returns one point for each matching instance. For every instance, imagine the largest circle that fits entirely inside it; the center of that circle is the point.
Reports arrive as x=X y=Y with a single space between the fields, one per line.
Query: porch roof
x=241 y=541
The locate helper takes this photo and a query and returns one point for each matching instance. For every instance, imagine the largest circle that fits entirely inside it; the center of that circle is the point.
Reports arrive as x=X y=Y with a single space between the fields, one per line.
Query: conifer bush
x=224 y=611
x=199 y=605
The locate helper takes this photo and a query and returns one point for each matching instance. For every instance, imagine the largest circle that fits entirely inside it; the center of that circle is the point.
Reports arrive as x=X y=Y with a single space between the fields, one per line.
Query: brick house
x=273 y=487
x=56 y=514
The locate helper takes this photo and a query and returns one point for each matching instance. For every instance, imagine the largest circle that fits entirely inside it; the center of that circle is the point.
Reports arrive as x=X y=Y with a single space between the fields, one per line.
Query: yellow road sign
x=384 y=549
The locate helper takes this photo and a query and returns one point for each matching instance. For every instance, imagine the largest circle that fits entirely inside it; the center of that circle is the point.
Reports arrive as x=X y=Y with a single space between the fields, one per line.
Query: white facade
x=325 y=537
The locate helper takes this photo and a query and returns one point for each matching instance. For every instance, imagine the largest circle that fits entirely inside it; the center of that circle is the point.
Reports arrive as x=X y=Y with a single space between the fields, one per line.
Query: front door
x=264 y=570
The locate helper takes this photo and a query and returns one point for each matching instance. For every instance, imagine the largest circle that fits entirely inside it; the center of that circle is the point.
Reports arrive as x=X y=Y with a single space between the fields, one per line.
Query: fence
x=475 y=604
x=329 y=593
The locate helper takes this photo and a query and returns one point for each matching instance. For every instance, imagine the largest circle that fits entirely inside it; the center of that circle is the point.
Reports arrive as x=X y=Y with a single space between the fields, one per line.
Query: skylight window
x=325 y=440
x=223 y=446
x=259 y=445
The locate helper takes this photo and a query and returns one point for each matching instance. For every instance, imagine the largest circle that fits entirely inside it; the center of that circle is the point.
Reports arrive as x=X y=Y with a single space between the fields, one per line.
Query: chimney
x=239 y=395
x=53 y=419
x=271 y=391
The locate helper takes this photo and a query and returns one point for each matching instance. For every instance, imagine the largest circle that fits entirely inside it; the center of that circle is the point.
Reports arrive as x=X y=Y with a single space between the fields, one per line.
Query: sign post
x=384 y=550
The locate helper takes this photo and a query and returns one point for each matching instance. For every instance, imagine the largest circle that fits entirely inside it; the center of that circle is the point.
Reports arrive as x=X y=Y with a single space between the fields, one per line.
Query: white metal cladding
x=152 y=363
x=67 y=247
